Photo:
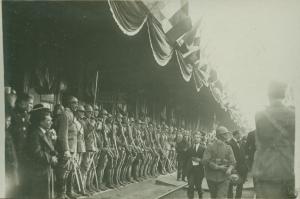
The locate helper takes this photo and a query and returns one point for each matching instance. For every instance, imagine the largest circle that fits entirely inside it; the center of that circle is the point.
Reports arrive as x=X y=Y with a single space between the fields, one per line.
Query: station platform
x=152 y=188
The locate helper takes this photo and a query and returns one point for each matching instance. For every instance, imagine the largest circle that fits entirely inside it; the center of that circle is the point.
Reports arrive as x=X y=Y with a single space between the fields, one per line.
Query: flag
x=193 y=56
x=179 y=29
x=189 y=38
x=172 y=15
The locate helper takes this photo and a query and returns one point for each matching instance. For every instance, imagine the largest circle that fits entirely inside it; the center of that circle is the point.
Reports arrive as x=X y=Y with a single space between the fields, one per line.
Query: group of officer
x=219 y=156
x=92 y=150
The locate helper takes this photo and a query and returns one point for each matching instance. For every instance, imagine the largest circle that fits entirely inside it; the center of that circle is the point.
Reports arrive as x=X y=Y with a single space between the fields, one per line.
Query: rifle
x=78 y=175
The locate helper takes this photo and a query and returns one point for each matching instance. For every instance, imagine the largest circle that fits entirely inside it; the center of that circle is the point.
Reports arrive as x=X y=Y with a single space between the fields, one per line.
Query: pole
x=96 y=87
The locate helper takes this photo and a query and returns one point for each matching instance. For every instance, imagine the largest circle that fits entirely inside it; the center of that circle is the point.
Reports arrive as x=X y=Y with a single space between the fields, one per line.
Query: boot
x=70 y=187
x=109 y=180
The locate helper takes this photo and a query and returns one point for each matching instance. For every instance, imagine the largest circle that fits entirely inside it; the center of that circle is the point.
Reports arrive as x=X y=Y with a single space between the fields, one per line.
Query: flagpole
x=96 y=87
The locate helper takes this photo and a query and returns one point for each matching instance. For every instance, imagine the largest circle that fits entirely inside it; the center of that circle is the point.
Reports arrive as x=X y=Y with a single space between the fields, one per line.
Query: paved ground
x=182 y=194
x=147 y=189
x=151 y=189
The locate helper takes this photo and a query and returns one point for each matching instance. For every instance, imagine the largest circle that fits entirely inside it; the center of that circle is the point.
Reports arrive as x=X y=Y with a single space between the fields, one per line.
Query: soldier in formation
x=94 y=150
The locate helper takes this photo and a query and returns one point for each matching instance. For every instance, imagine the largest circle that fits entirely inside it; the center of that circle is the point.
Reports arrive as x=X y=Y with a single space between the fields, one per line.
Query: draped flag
x=172 y=15
x=170 y=31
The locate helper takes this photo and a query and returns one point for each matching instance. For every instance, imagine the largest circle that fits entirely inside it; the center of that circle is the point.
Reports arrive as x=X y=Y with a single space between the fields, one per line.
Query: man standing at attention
x=67 y=147
x=219 y=161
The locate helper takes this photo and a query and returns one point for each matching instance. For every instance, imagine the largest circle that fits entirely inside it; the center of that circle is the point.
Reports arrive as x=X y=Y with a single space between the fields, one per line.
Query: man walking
x=219 y=161
x=195 y=169
x=241 y=166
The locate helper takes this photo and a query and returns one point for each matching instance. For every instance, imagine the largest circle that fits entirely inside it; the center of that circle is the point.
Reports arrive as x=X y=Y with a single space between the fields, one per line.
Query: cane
x=79 y=177
x=73 y=161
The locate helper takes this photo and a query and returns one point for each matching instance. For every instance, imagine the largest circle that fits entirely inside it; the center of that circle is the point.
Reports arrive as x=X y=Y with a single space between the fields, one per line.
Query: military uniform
x=137 y=162
x=66 y=141
x=88 y=162
x=102 y=131
x=131 y=151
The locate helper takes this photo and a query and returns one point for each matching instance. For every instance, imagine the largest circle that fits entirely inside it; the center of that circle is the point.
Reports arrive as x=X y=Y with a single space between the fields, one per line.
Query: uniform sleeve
x=207 y=158
x=230 y=156
x=62 y=133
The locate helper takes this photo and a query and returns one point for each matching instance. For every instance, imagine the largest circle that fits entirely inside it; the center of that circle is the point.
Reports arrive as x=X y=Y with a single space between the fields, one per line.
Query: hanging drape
x=167 y=23
x=161 y=49
x=132 y=15
x=129 y=15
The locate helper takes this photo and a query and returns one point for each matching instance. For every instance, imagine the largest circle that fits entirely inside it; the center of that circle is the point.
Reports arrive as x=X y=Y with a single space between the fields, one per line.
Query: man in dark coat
x=181 y=148
x=240 y=167
x=41 y=155
x=273 y=166
x=19 y=131
x=11 y=161
x=250 y=149
x=67 y=147
x=195 y=169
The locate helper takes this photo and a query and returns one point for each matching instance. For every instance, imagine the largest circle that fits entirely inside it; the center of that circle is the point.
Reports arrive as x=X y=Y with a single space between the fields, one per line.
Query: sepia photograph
x=149 y=99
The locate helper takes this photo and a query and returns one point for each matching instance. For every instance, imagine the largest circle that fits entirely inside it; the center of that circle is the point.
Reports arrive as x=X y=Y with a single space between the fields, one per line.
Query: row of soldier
x=82 y=151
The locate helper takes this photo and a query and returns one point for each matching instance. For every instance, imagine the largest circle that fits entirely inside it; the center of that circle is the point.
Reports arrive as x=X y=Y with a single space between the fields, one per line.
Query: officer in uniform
x=102 y=142
x=138 y=160
x=110 y=153
x=147 y=141
x=131 y=149
x=89 y=167
x=128 y=150
x=120 y=146
x=115 y=152
x=67 y=147
x=154 y=166
x=143 y=147
x=81 y=149
x=19 y=131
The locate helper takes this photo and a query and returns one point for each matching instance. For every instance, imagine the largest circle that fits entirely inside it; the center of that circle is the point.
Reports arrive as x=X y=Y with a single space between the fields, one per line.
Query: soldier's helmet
x=104 y=112
x=131 y=119
x=88 y=108
x=96 y=107
x=80 y=108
